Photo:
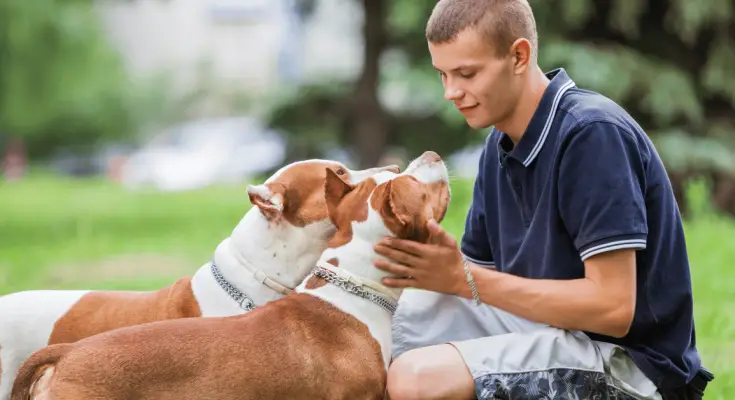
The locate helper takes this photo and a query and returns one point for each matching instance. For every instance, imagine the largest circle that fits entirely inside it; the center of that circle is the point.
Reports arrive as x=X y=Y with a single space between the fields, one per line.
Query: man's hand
x=601 y=302
x=435 y=266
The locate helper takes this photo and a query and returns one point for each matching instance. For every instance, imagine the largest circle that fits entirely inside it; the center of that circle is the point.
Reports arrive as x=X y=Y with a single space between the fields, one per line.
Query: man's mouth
x=467 y=108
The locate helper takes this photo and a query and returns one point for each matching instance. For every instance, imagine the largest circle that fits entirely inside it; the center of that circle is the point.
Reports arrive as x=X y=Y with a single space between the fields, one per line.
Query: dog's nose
x=393 y=168
x=431 y=157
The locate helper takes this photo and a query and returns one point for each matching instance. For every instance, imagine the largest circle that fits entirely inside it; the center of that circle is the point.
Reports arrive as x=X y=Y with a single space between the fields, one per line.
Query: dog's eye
x=340 y=171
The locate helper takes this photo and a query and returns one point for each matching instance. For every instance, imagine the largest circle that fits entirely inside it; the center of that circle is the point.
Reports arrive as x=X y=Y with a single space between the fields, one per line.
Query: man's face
x=481 y=85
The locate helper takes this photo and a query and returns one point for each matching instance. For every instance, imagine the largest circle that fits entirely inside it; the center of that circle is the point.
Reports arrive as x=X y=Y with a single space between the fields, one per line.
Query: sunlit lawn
x=61 y=233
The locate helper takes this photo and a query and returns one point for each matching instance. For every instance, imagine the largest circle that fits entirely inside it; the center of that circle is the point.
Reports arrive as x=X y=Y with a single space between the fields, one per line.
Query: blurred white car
x=205 y=152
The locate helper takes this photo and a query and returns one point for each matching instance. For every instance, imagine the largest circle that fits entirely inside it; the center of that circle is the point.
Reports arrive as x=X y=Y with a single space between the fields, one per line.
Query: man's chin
x=478 y=124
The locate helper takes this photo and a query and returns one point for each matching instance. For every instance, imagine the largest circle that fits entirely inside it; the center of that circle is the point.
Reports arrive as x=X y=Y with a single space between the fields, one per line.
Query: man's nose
x=452 y=93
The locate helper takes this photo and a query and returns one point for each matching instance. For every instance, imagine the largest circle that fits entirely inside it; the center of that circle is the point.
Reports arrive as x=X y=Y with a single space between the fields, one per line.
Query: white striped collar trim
x=616 y=245
x=478 y=262
x=549 y=121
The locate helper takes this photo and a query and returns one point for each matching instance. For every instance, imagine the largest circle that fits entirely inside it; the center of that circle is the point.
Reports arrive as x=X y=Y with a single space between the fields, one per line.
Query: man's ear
x=269 y=199
x=522 y=52
x=335 y=189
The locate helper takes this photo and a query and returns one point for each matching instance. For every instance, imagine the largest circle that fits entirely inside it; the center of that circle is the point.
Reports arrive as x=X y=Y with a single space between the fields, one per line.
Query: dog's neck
x=356 y=258
x=285 y=253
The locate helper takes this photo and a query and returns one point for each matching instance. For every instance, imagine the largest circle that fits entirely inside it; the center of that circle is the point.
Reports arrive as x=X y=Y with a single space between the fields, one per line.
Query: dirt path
x=121 y=268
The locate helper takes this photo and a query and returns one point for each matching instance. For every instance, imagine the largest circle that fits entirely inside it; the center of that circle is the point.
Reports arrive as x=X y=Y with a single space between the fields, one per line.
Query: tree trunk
x=13 y=163
x=723 y=192
x=678 y=183
x=369 y=124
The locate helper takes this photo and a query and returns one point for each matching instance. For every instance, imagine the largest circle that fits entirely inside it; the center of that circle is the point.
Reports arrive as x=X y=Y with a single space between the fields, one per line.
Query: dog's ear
x=268 y=198
x=335 y=189
x=393 y=218
x=403 y=207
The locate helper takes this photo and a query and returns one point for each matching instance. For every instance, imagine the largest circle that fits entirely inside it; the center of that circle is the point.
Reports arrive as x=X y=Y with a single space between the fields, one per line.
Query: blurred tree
x=668 y=62
x=395 y=101
x=60 y=81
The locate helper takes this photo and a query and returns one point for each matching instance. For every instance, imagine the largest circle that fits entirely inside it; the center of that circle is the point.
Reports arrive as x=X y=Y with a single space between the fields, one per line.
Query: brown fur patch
x=37 y=371
x=170 y=360
x=439 y=196
x=346 y=204
x=301 y=189
x=101 y=311
x=315 y=282
x=403 y=211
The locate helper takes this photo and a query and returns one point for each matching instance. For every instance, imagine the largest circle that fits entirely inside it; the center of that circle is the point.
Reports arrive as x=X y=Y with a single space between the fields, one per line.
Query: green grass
x=60 y=233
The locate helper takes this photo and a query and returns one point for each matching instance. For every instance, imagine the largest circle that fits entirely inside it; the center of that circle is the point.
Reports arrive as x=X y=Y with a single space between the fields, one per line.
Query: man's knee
x=435 y=372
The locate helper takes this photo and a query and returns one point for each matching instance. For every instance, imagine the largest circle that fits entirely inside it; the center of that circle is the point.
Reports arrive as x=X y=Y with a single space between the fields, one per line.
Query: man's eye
x=467 y=75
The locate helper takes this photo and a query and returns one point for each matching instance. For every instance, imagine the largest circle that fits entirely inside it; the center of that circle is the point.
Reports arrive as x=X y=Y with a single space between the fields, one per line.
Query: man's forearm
x=568 y=304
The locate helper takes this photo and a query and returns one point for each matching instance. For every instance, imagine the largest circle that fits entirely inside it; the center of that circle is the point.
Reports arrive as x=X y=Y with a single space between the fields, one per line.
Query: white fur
x=26 y=323
x=357 y=257
x=284 y=252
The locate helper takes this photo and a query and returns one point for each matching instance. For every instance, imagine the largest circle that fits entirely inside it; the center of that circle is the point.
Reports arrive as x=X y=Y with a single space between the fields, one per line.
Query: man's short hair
x=501 y=22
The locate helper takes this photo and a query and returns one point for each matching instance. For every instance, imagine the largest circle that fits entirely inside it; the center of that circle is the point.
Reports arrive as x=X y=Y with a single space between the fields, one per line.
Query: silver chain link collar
x=243 y=300
x=350 y=287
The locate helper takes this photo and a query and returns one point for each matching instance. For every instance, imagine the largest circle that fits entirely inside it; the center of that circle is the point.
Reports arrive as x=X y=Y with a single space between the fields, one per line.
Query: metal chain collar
x=243 y=300
x=350 y=287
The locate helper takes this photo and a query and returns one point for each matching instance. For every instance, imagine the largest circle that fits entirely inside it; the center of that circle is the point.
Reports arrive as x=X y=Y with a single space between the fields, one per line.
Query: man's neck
x=517 y=123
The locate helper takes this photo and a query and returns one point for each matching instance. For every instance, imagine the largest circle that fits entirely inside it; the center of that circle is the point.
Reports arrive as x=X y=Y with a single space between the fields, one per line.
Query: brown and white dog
x=269 y=252
x=329 y=340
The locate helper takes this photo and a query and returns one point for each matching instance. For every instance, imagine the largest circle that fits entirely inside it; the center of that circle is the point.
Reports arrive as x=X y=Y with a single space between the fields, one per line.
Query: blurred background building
x=248 y=45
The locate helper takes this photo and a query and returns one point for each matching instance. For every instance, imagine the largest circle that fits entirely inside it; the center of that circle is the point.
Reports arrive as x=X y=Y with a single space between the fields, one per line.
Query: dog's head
x=389 y=203
x=295 y=193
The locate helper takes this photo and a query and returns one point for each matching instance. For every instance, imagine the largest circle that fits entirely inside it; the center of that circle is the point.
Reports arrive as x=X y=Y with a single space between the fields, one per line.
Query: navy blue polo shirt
x=585 y=179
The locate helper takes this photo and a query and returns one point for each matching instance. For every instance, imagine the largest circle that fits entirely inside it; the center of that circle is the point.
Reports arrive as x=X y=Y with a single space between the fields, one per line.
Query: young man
x=572 y=279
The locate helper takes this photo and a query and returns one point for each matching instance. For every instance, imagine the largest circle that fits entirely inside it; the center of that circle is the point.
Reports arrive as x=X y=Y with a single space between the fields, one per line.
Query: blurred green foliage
x=60 y=82
x=668 y=62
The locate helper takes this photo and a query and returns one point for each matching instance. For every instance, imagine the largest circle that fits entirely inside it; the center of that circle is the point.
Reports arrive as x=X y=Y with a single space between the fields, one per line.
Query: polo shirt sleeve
x=475 y=244
x=601 y=190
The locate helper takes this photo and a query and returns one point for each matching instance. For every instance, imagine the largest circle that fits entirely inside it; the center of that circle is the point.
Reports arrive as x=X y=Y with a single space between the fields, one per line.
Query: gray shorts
x=513 y=358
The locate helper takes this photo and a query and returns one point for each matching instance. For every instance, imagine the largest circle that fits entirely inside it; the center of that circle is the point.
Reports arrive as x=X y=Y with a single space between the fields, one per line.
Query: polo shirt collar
x=538 y=129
